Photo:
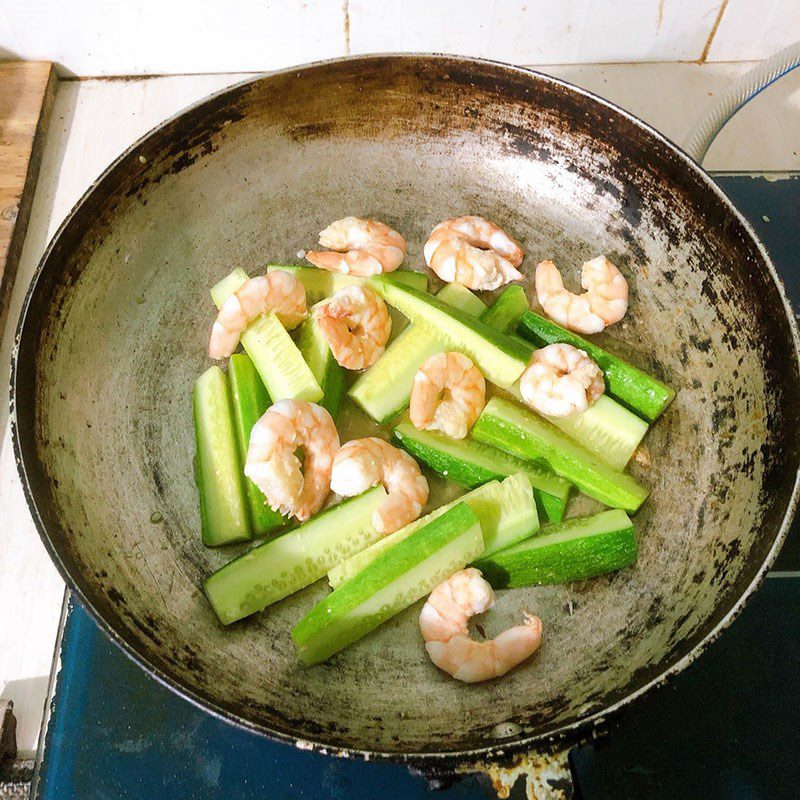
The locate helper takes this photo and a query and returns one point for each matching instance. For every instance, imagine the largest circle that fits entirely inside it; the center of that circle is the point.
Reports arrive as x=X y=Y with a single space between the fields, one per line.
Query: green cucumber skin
x=218 y=471
x=500 y=358
x=549 y=506
x=331 y=625
x=505 y=313
x=319 y=283
x=263 y=353
x=221 y=291
x=477 y=463
x=403 y=358
x=252 y=582
x=640 y=392
x=490 y=504
x=333 y=388
x=329 y=374
x=250 y=400
x=347 y=569
x=522 y=433
x=548 y=558
x=606 y=428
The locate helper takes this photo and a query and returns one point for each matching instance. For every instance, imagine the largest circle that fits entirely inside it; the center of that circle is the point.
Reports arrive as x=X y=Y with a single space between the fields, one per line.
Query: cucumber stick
x=637 y=390
x=250 y=400
x=274 y=354
x=320 y=283
x=296 y=559
x=506 y=511
x=500 y=358
x=328 y=373
x=221 y=291
x=470 y=463
x=505 y=313
x=384 y=390
x=574 y=550
x=392 y=582
x=526 y=435
x=218 y=470
x=606 y=428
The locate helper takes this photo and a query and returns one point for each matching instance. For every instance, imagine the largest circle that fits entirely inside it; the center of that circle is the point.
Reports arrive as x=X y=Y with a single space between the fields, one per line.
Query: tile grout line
x=346 y=11
x=714 y=28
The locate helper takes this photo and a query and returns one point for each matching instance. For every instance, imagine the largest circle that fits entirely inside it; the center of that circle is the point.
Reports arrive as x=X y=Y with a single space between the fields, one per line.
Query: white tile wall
x=537 y=31
x=127 y=37
x=121 y=37
x=755 y=29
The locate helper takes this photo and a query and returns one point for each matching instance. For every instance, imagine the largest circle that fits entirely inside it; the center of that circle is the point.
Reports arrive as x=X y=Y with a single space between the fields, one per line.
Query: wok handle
x=738 y=94
x=546 y=774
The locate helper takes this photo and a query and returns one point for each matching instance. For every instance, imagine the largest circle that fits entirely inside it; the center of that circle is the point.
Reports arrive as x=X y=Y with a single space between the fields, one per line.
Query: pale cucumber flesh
x=576 y=549
x=508 y=517
x=279 y=362
x=221 y=291
x=500 y=358
x=294 y=560
x=320 y=283
x=274 y=354
x=220 y=481
x=522 y=433
x=384 y=390
x=391 y=583
x=504 y=510
x=606 y=429
x=326 y=370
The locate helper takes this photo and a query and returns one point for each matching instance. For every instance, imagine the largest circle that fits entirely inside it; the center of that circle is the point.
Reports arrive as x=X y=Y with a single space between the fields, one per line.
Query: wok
x=114 y=332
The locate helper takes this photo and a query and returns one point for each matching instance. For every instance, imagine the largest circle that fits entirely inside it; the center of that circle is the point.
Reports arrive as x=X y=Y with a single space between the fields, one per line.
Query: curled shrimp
x=291 y=487
x=561 y=380
x=359 y=247
x=443 y=622
x=362 y=463
x=473 y=252
x=448 y=395
x=604 y=302
x=279 y=292
x=356 y=324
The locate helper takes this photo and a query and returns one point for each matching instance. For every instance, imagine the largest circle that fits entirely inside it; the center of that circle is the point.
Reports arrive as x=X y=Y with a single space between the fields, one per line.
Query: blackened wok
x=114 y=332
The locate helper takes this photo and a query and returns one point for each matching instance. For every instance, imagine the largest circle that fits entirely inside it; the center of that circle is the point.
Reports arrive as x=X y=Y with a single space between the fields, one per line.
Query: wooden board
x=27 y=90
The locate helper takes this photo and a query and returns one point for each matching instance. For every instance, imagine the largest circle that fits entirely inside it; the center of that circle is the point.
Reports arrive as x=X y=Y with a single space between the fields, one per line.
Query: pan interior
x=117 y=329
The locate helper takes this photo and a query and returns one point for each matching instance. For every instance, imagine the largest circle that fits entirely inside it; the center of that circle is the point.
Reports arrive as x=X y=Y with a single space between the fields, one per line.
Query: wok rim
x=426 y=760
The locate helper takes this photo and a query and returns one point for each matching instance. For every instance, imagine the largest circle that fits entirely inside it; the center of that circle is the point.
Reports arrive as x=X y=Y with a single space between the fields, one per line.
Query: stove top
x=727 y=727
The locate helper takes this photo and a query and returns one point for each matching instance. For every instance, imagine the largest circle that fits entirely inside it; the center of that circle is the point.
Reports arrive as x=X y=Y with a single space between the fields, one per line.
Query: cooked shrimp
x=443 y=622
x=362 y=463
x=448 y=395
x=359 y=247
x=473 y=252
x=292 y=487
x=356 y=324
x=561 y=380
x=604 y=302
x=279 y=292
